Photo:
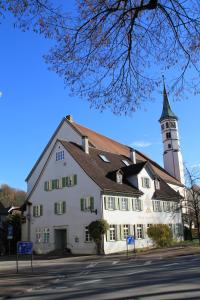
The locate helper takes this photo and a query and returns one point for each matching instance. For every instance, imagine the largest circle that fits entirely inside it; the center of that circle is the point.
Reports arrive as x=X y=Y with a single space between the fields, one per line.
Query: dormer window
x=125 y=162
x=119 y=177
x=157 y=184
x=145 y=182
x=104 y=158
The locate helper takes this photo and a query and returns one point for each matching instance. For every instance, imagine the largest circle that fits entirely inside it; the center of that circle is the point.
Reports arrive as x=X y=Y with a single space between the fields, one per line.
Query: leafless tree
x=192 y=201
x=113 y=52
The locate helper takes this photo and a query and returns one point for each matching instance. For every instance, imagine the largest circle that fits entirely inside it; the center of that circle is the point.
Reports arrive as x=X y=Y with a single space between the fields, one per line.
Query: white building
x=82 y=176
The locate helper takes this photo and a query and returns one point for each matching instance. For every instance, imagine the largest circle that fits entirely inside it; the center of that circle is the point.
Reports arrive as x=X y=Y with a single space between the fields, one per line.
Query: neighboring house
x=3 y=214
x=82 y=176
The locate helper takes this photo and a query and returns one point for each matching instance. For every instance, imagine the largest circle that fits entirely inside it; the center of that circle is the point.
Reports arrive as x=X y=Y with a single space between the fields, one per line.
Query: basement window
x=104 y=158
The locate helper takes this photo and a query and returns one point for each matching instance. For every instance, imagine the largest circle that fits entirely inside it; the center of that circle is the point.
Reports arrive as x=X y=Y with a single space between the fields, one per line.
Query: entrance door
x=60 y=239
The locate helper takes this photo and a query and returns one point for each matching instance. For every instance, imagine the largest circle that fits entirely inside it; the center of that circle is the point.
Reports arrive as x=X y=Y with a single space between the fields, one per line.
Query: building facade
x=82 y=176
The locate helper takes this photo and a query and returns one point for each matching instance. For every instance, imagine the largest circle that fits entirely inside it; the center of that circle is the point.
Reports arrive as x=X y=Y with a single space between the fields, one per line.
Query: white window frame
x=111 y=203
x=125 y=231
x=46 y=234
x=88 y=238
x=38 y=235
x=112 y=233
x=104 y=158
x=157 y=184
x=146 y=182
x=124 y=203
x=139 y=231
x=38 y=209
x=60 y=155
x=137 y=204
x=157 y=206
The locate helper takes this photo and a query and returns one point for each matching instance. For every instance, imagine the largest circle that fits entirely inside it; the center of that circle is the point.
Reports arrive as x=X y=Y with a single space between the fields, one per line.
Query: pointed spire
x=167 y=113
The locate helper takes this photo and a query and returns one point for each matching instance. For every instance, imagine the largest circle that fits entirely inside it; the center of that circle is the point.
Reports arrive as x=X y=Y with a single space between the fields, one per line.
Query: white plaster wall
x=147 y=216
x=66 y=132
x=74 y=220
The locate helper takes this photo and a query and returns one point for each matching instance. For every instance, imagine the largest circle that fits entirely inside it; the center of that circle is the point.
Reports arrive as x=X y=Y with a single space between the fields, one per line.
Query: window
x=167 y=125
x=60 y=208
x=124 y=203
x=55 y=184
x=162 y=126
x=87 y=235
x=145 y=182
x=166 y=206
x=60 y=155
x=137 y=204
x=178 y=229
x=119 y=177
x=112 y=234
x=174 y=206
x=87 y=204
x=111 y=203
x=37 y=210
x=157 y=184
x=38 y=235
x=169 y=146
x=46 y=235
x=157 y=206
x=125 y=231
x=125 y=162
x=172 y=124
x=104 y=158
x=139 y=231
x=168 y=135
x=69 y=181
x=47 y=185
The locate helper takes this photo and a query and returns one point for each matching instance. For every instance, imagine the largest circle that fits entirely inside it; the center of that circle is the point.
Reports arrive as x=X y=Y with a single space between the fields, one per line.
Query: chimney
x=132 y=155
x=85 y=144
x=69 y=118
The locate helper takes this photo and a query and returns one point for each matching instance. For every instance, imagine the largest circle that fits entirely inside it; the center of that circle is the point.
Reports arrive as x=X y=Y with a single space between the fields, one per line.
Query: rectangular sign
x=10 y=232
x=24 y=248
x=130 y=240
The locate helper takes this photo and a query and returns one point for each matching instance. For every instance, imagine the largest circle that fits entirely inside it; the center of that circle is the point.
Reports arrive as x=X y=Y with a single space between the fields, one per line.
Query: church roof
x=167 y=113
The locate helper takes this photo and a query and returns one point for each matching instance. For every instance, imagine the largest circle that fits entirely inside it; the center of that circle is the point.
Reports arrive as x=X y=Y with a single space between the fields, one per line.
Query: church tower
x=172 y=157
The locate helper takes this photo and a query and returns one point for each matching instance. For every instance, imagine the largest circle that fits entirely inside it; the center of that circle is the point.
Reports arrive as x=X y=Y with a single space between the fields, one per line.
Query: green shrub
x=160 y=234
x=97 y=229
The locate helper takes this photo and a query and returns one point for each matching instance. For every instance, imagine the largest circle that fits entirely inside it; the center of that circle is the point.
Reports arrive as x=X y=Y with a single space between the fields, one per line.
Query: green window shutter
x=46 y=186
x=92 y=203
x=116 y=203
x=75 y=179
x=117 y=232
x=105 y=202
x=64 y=207
x=34 y=211
x=129 y=204
x=82 y=201
x=130 y=229
x=55 y=208
x=133 y=204
x=50 y=185
x=67 y=181
x=108 y=235
x=122 y=231
x=119 y=203
x=57 y=183
x=41 y=210
x=60 y=183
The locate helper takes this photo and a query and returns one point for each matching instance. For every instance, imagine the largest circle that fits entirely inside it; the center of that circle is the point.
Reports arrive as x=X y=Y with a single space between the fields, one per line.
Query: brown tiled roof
x=166 y=192
x=98 y=170
x=104 y=143
x=104 y=173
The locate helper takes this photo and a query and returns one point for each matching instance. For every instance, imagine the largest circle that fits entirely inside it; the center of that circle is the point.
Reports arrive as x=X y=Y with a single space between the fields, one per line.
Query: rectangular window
x=112 y=233
x=38 y=235
x=157 y=184
x=37 y=210
x=104 y=158
x=137 y=204
x=46 y=235
x=60 y=155
x=166 y=206
x=157 y=206
x=145 y=182
x=60 y=207
x=55 y=184
x=69 y=181
x=125 y=231
x=168 y=135
x=87 y=235
x=87 y=204
x=139 y=231
x=111 y=203
x=124 y=203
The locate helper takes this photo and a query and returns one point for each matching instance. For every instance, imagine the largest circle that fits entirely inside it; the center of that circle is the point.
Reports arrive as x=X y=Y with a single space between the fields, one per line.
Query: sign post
x=130 y=240
x=24 y=248
x=9 y=236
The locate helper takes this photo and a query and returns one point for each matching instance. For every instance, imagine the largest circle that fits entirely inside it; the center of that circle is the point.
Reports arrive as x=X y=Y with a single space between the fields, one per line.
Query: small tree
x=97 y=229
x=160 y=234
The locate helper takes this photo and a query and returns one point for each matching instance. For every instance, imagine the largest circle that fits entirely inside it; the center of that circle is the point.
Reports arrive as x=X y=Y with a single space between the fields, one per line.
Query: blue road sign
x=130 y=240
x=10 y=232
x=24 y=248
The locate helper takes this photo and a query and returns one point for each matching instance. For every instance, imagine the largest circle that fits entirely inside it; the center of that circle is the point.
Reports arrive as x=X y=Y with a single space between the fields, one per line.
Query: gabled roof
x=166 y=192
x=98 y=170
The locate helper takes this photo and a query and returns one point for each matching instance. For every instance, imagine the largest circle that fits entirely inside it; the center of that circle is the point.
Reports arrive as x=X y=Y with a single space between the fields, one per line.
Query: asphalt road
x=136 y=279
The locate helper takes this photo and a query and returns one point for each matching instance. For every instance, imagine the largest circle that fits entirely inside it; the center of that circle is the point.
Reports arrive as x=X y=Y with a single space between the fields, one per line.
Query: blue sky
x=33 y=101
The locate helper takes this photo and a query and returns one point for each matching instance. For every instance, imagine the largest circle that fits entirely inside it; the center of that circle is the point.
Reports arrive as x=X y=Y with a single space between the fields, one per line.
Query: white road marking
x=172 y=264
x=86 y=282
x=115 y=262
x=92 y=265
x=136 y=272
x=147 y=262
